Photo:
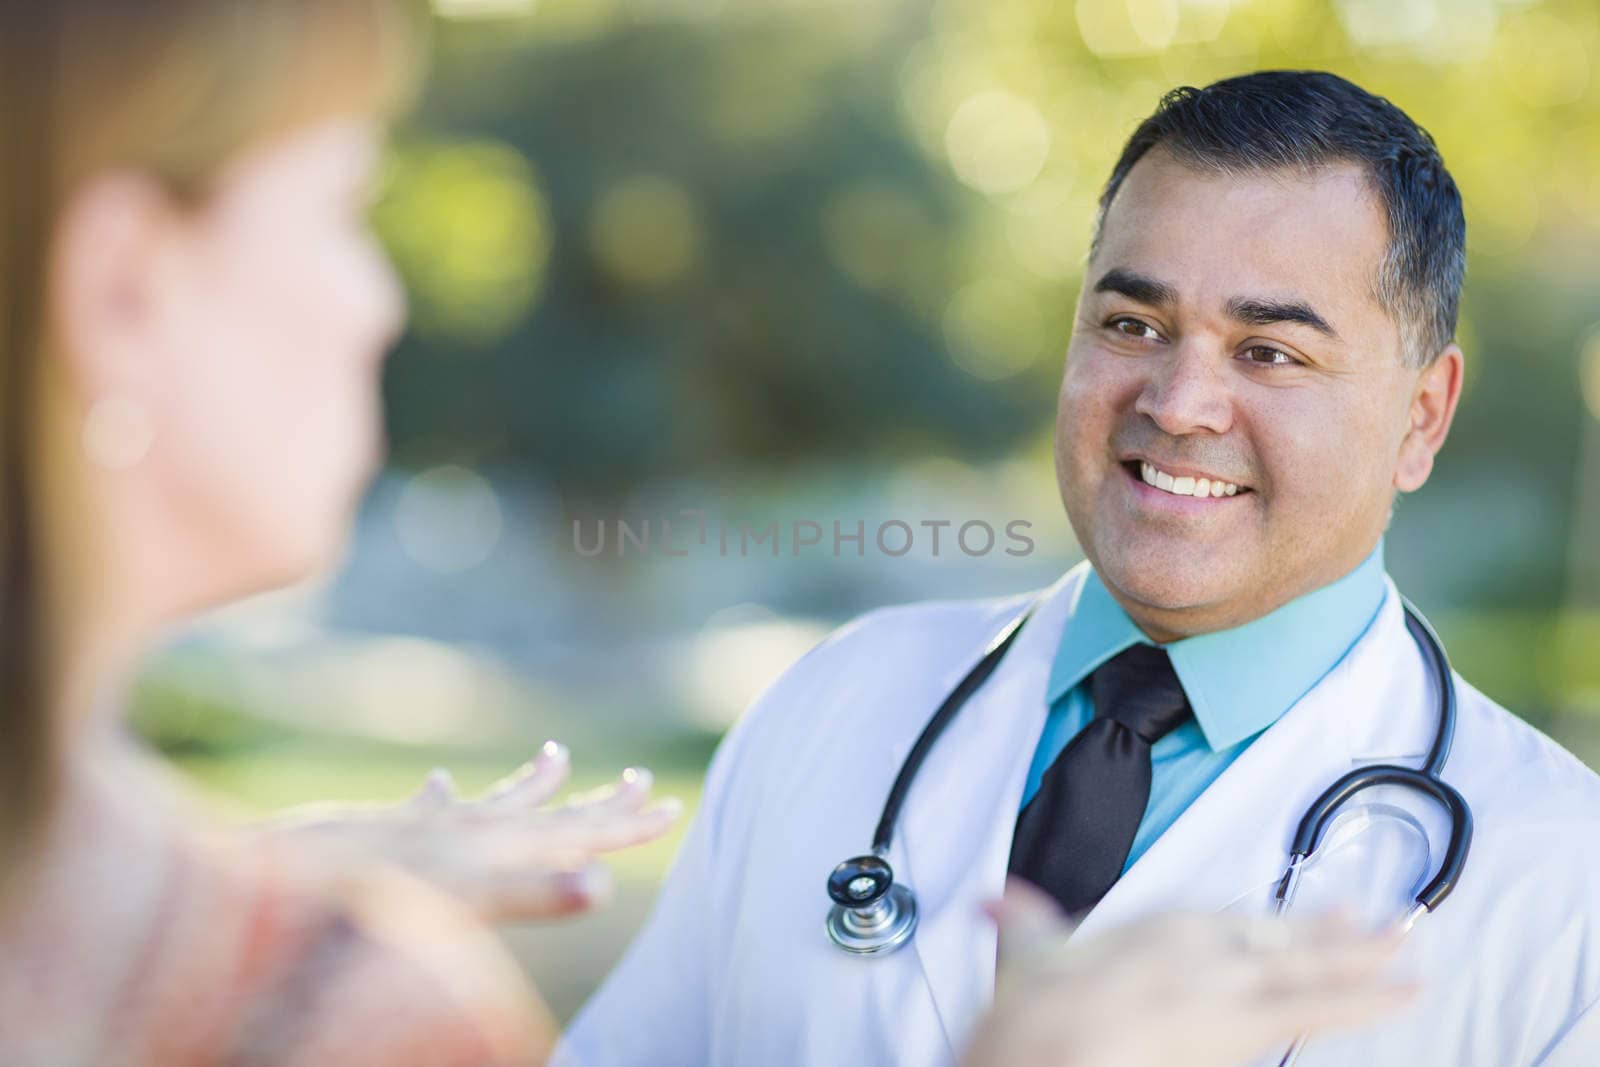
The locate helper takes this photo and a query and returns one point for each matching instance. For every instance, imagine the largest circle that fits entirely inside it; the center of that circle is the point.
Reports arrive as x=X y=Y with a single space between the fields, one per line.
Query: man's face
x=1228 y=332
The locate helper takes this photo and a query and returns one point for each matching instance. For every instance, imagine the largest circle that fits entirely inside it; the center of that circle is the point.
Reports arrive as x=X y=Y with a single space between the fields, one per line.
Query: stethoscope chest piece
x=871 y=913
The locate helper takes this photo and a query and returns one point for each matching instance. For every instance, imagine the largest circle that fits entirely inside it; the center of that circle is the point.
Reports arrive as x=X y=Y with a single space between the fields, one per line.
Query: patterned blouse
x=254 y=960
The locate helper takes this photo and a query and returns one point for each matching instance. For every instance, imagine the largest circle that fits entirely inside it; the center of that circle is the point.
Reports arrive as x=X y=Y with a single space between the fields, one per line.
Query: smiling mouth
x=1181 y=485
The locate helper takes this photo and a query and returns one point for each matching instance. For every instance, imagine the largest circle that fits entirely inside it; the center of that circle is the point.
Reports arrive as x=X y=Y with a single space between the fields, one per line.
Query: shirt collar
x=1282 y=655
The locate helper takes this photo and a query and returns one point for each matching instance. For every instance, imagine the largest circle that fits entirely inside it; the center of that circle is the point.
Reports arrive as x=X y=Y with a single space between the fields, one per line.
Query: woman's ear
x=1433 y=407
x=108 y=268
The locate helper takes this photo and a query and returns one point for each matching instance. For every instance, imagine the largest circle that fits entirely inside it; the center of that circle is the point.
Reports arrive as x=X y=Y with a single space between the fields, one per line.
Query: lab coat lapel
x=957 y=824
x=1233 y=840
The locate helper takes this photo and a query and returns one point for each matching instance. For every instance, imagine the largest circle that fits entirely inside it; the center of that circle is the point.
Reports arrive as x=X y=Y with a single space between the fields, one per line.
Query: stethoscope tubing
x=974 y=679
x=865 y=887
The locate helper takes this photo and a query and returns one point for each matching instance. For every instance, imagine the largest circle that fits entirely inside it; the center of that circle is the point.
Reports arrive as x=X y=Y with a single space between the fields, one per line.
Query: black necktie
x=1074 y=836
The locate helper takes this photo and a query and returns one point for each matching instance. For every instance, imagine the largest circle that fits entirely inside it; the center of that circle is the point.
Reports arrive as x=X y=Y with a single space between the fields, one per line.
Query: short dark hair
x=1273 y=119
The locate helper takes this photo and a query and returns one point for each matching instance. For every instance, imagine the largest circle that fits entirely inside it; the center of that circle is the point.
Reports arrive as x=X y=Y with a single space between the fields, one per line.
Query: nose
x=381 y=298
x=1187 y=392
x=390 y=307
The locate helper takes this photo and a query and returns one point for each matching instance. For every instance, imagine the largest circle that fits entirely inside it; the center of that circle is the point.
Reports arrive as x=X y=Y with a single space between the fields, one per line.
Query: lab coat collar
x=955 y=841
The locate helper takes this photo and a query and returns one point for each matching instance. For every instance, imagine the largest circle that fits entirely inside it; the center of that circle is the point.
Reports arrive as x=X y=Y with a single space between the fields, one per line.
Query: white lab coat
x=733 y=968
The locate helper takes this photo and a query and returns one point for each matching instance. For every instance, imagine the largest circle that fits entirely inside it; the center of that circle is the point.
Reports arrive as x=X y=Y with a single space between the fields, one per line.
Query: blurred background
x=683 y=269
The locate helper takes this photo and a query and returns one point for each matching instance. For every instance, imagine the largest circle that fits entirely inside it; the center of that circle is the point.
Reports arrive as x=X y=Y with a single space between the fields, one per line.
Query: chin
x=1164 y=579
x=305 y=543
x=290 y=563
x=248 y=569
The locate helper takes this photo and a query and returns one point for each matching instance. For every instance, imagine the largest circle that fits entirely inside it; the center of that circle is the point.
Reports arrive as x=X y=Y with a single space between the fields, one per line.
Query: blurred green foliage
x=652 y=239
x=185 y=720
x=1538 y=661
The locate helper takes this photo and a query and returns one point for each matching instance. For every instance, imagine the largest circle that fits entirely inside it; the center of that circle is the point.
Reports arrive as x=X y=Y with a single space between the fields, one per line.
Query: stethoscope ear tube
x=941 y=718
x=1316 y=819
x=1439 y=666
x=1426 y=779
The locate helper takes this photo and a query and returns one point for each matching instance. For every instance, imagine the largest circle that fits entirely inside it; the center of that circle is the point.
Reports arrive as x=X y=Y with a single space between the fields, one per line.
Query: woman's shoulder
x=269 y=960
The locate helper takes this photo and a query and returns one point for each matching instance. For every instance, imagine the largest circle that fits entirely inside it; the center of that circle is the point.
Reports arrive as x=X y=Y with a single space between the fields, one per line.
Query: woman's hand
x=505 y=854
x=1201 y=990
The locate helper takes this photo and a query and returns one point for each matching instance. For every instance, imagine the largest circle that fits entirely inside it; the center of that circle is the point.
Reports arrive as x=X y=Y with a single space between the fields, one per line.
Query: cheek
x=1086 y=411
x=301 y=359
x=273 y=407
x=1323 y=460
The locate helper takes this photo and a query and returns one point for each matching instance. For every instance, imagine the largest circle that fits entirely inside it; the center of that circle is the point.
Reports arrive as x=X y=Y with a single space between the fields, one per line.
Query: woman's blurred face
x=278 y=306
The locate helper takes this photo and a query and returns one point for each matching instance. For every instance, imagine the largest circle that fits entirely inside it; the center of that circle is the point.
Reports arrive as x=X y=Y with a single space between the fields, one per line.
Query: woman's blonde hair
x=172 y=89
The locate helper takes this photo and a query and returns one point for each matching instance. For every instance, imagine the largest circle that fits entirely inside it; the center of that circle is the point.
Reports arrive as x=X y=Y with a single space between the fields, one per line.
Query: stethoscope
x=873 y=914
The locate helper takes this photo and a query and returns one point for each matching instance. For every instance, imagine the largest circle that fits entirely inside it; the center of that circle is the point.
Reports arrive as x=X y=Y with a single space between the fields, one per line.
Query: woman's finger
x=594 y=833
x=1356 y=958
x=438 y=790
x=1028 y=922
x=1312 y=1011
x=629 y=792
x=533 y=893
x=533 y=783
x=1267 y=958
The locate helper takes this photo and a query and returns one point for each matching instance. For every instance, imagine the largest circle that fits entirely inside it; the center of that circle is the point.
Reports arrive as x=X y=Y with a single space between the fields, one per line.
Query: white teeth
x=1186 y=485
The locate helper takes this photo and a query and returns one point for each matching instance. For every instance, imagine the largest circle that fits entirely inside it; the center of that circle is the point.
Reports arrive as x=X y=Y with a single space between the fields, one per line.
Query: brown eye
x=1264 y=356
x=1134 y=328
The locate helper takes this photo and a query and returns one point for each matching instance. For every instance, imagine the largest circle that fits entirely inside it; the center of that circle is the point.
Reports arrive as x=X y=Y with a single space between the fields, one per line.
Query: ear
x=1433 y=408
x=108 y=268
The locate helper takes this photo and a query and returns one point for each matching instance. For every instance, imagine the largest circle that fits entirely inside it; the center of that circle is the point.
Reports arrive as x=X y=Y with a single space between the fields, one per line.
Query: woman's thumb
x=1028 y=919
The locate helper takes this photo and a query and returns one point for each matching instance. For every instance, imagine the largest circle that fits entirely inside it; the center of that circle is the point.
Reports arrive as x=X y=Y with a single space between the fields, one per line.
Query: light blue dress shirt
x=1238 y=682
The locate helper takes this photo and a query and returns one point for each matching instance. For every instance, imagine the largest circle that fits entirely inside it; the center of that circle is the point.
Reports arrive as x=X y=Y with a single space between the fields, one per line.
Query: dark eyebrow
x=1248 y=310
x=1135 y=286
x=1269 y=312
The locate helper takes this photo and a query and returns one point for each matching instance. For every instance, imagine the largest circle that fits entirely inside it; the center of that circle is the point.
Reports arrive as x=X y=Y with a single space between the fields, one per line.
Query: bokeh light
x=468 y=9
x=1127 y=27
x=997 y=142
x=646 y=231
x=448 y=519
x=469 y=230
x=993 y=329
x=873 y=230
x=1589 y=370
x=737 y=654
